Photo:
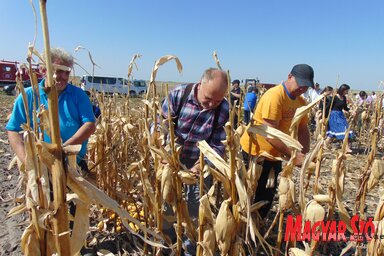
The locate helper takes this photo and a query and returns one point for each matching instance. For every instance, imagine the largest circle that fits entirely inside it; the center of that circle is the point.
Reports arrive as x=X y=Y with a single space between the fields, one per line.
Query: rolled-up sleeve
x=18 y=116
x=85 y=108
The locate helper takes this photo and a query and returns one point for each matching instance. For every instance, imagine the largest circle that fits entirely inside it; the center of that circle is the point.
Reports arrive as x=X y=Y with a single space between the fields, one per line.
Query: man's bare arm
x=17 y=144
x=276 y=143
x=84 y=132
x=237 y=95
x=304 y=137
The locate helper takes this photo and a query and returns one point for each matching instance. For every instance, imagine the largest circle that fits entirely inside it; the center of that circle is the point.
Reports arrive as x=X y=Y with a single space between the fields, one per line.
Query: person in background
x=328 y=98
x=276 y=108
x=249 y=103
x=364 y=100
x=314 y=93
x=327 y=92
x=235 y=99
x=374 y=96
x=337 y=123
x=312 y=96
x=77 y=121
x=235 y=92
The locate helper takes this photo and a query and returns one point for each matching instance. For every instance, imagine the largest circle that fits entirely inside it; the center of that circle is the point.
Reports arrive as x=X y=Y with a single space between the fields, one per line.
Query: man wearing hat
x=276 y=108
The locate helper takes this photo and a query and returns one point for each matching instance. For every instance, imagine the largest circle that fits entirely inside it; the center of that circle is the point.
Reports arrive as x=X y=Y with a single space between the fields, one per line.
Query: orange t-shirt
x=275 y=105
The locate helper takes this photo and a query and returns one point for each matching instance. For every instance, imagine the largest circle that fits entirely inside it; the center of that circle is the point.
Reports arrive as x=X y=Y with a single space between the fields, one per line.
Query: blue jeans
x=192 y=198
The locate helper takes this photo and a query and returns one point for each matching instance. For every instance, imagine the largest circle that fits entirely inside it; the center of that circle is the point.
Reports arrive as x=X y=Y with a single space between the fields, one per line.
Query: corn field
x=135 y=171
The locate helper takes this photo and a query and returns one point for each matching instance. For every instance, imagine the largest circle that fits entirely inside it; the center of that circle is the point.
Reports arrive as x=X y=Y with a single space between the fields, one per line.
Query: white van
x=113 y=84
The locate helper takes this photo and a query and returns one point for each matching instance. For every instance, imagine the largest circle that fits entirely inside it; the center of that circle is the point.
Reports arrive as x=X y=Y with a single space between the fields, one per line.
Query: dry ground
x=11 y=228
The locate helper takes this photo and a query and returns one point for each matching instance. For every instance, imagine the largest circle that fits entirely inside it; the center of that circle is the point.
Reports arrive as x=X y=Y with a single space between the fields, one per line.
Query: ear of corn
x=376 y=245
x=206 y=218
x=224 y=228
x=167 y=186
x=314 y=212
x=377 y=171
x=297 y=252
x=286 y=192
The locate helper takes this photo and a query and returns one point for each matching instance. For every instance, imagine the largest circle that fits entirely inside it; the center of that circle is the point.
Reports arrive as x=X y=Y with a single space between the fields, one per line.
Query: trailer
x=10 y=69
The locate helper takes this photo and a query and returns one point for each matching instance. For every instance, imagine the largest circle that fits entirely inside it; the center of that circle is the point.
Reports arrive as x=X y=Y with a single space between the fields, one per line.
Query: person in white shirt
x=373 y=96
x=314 y=93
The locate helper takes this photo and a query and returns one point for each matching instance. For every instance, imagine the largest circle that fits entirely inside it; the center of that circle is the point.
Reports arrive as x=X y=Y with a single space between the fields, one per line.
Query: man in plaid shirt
x=199 y=113
x=196 y=120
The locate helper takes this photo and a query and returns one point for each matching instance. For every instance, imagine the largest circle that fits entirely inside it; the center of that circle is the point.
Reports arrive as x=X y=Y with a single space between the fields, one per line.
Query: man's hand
x=299 y=159
x=195 y=170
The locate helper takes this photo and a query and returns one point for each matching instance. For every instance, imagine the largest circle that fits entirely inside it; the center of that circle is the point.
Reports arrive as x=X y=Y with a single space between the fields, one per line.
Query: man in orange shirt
x=276 y=108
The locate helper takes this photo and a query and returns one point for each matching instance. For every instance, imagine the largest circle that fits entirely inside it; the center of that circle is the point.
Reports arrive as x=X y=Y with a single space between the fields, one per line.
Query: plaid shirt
x=195 y=124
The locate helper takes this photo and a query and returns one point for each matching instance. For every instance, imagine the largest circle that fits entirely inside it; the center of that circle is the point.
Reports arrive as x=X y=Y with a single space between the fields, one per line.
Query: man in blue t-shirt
x=77 y=121
x=249 y=103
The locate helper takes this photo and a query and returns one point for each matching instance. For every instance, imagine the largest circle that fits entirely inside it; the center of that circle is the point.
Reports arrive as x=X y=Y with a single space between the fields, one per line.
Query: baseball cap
x=303 y=74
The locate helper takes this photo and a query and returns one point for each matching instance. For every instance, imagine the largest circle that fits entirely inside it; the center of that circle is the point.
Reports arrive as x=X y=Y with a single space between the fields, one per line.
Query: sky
x=343 y=40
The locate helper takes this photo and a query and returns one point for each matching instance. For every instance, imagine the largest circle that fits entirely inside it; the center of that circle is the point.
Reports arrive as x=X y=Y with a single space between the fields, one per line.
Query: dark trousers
x=263 y=193
x=247 y=116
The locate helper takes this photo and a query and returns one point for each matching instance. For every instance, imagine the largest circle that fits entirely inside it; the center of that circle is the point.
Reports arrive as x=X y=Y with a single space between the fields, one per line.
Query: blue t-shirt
x=75 y=109
x=251 y=98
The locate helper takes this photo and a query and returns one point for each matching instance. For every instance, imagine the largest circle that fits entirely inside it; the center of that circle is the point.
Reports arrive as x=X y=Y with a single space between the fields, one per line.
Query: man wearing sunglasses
x=77 y=121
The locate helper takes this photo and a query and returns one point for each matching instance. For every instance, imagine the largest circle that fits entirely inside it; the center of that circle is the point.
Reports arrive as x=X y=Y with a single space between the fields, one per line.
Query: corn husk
x=286 y=192
x=270 y=132
x=314 y=212
x=29 y=243
x=297 y=252
x=377 y=172
x=225 y=227
x=322 y=198
x=301 y=112
x=214 y=158
x=167 y=186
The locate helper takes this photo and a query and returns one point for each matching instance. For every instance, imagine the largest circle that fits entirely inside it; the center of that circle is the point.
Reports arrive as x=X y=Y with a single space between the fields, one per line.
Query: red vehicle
x=8 y=70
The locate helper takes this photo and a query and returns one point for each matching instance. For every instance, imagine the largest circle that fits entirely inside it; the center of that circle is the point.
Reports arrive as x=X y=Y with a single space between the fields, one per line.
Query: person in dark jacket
x=337 y=123
x=235 y=99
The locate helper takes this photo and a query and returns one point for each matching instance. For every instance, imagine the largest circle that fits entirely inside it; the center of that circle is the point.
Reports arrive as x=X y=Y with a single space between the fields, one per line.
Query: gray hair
x=210 y=74
x=63 y=55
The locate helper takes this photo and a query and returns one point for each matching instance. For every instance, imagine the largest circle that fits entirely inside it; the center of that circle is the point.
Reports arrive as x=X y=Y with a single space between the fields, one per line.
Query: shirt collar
x=287 y=92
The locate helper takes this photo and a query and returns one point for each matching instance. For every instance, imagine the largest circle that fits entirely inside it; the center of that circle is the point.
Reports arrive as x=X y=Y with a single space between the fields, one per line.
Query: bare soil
x=11 y=228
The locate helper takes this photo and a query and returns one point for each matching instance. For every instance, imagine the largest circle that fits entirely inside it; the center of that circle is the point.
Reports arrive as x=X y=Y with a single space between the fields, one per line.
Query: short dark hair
x=327 y=89
x=236 y=81
x=343 y=88
x=362 y=94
